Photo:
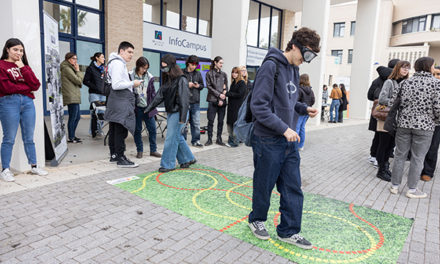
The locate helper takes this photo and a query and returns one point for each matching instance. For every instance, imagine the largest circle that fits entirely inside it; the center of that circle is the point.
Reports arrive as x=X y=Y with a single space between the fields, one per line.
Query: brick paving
x=86 y=220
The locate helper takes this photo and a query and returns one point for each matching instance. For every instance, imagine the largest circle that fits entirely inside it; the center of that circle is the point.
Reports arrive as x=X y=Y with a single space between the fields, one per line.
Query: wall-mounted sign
x=255 y=56
x=175 y=41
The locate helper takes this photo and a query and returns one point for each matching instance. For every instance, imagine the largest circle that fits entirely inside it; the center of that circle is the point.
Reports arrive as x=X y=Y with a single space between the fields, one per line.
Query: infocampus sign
x=166 y=39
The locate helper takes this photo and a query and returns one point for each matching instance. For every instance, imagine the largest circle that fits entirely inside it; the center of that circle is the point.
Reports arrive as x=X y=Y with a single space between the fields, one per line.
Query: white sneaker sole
x=128 y=166
x=8 y=180
x=412 y=196
x=287 y=240
x=256 y=235
x=394 y=190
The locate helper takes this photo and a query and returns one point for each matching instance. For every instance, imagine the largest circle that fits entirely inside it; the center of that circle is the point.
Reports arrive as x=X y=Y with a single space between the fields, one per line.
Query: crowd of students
x=415 y=134
x=281 y=103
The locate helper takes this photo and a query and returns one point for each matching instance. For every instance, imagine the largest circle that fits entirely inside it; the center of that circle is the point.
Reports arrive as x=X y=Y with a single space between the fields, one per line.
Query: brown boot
x=425 y=178
x=155 y=154
x=139 y=155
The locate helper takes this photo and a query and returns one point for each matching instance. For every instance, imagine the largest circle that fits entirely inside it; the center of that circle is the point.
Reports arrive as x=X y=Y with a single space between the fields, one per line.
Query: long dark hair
x=342 y=86
x=11 y=43
x=141 y=62
x=96 y=56
x=216 y=59
x=174 y=72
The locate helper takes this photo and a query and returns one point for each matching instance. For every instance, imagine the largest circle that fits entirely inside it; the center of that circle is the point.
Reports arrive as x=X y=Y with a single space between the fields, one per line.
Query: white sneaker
x=7 y=175
x=394 y=189
x=373 y=161
x=416 y=194
x=227 y=145
x=38 y=171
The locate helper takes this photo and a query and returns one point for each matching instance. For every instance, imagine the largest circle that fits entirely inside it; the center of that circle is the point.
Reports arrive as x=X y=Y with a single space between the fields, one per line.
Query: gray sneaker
x=259 y=230
x=416 y=194
x=297 y=240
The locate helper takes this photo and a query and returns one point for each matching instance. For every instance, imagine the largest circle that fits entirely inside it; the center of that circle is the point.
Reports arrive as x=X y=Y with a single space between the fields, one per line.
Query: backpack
x=244 y=126
x=107 y=80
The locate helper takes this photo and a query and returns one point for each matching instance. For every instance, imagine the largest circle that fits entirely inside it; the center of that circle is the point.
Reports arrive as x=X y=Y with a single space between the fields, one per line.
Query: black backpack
x=107 y=80
x=244 y=126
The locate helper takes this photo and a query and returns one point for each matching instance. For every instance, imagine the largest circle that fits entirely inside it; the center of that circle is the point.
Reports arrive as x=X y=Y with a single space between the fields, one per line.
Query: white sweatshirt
x=119 y=73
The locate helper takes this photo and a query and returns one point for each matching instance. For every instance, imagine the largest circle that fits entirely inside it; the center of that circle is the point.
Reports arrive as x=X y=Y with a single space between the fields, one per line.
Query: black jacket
x=306 y=95
x=344 y=104
x=215 y=80
x=176 y=97
x=236 y=95
x=94 y=79
x=195 y=77
x=374 y=91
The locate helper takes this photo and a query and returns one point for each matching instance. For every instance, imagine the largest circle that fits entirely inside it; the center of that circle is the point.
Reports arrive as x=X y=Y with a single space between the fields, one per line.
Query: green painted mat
x=340 y=232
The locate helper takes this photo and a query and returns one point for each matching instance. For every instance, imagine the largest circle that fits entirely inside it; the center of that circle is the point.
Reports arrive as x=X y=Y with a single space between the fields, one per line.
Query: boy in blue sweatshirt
x=275 y=108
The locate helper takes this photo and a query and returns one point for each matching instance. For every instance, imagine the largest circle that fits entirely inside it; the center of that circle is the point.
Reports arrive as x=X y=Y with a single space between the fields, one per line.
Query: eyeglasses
x=406 y=68
x=307 y=54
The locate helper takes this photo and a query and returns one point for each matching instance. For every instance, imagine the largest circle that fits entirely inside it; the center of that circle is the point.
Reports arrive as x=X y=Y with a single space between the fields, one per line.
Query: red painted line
x=376 y=247
x=233 y=224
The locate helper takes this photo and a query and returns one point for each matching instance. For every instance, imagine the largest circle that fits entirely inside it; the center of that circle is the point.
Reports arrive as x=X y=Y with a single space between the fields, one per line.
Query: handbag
x=391 y=120
x=380 y=112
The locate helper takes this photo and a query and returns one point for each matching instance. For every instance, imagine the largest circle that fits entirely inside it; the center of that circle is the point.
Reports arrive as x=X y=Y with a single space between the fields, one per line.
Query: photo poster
x=203 y=68
x=53 y=88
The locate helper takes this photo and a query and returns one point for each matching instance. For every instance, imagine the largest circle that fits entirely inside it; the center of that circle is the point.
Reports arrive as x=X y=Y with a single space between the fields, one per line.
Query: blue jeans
x=194 y=121
x=100 y=123
x=301 y=129
x=335 y=105
x=150 y=123
x=175 y=145
x=74 y=117
x=277 y=161
x=17 y=110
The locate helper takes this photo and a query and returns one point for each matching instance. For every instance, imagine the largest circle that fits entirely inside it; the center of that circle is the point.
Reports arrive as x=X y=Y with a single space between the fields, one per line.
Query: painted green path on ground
x=340 y=232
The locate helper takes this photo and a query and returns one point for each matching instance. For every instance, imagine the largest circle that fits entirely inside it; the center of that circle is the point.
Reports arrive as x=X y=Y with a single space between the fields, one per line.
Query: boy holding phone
x=195 y=82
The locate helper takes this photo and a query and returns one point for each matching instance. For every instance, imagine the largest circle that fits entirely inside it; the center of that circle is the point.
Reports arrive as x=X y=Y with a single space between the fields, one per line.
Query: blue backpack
x=244 y=126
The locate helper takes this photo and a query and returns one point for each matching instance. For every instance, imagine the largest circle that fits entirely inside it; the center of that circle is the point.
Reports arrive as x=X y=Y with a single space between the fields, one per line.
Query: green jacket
x=71 y=83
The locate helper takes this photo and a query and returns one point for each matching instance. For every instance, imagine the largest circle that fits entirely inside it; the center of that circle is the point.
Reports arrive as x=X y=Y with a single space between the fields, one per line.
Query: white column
x=363 y=57
x=315 y=15
x=229 y=29
x=20 y=19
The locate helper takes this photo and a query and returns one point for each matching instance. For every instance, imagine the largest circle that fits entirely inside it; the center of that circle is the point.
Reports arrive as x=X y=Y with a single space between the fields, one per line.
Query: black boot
x=381 y=173
x=219 y=141
x=387 y=168
x=209 y=142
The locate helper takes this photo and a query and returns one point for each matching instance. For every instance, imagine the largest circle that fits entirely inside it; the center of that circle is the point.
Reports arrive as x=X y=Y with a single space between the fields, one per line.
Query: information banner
x=53 y=88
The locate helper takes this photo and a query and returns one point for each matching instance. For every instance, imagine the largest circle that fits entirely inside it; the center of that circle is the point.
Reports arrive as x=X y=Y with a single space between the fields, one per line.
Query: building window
x=414 y=25
x=264 y=25
x=81 y=30
x=338 y=56
x=188 y=15
x=338 y=29
x=350 y=56
x=151 y=11
x=435 y=23
x=352 y=28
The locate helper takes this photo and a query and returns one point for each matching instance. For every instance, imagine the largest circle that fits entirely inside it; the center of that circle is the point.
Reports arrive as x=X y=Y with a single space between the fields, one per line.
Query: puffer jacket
x=306 y=95
x=176 y=95
x=419 y=102
x=71 y=82
x=94 y=79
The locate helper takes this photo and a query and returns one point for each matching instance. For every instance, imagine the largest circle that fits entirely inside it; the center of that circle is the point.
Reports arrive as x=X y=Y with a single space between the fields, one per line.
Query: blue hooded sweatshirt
x=275 y=110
